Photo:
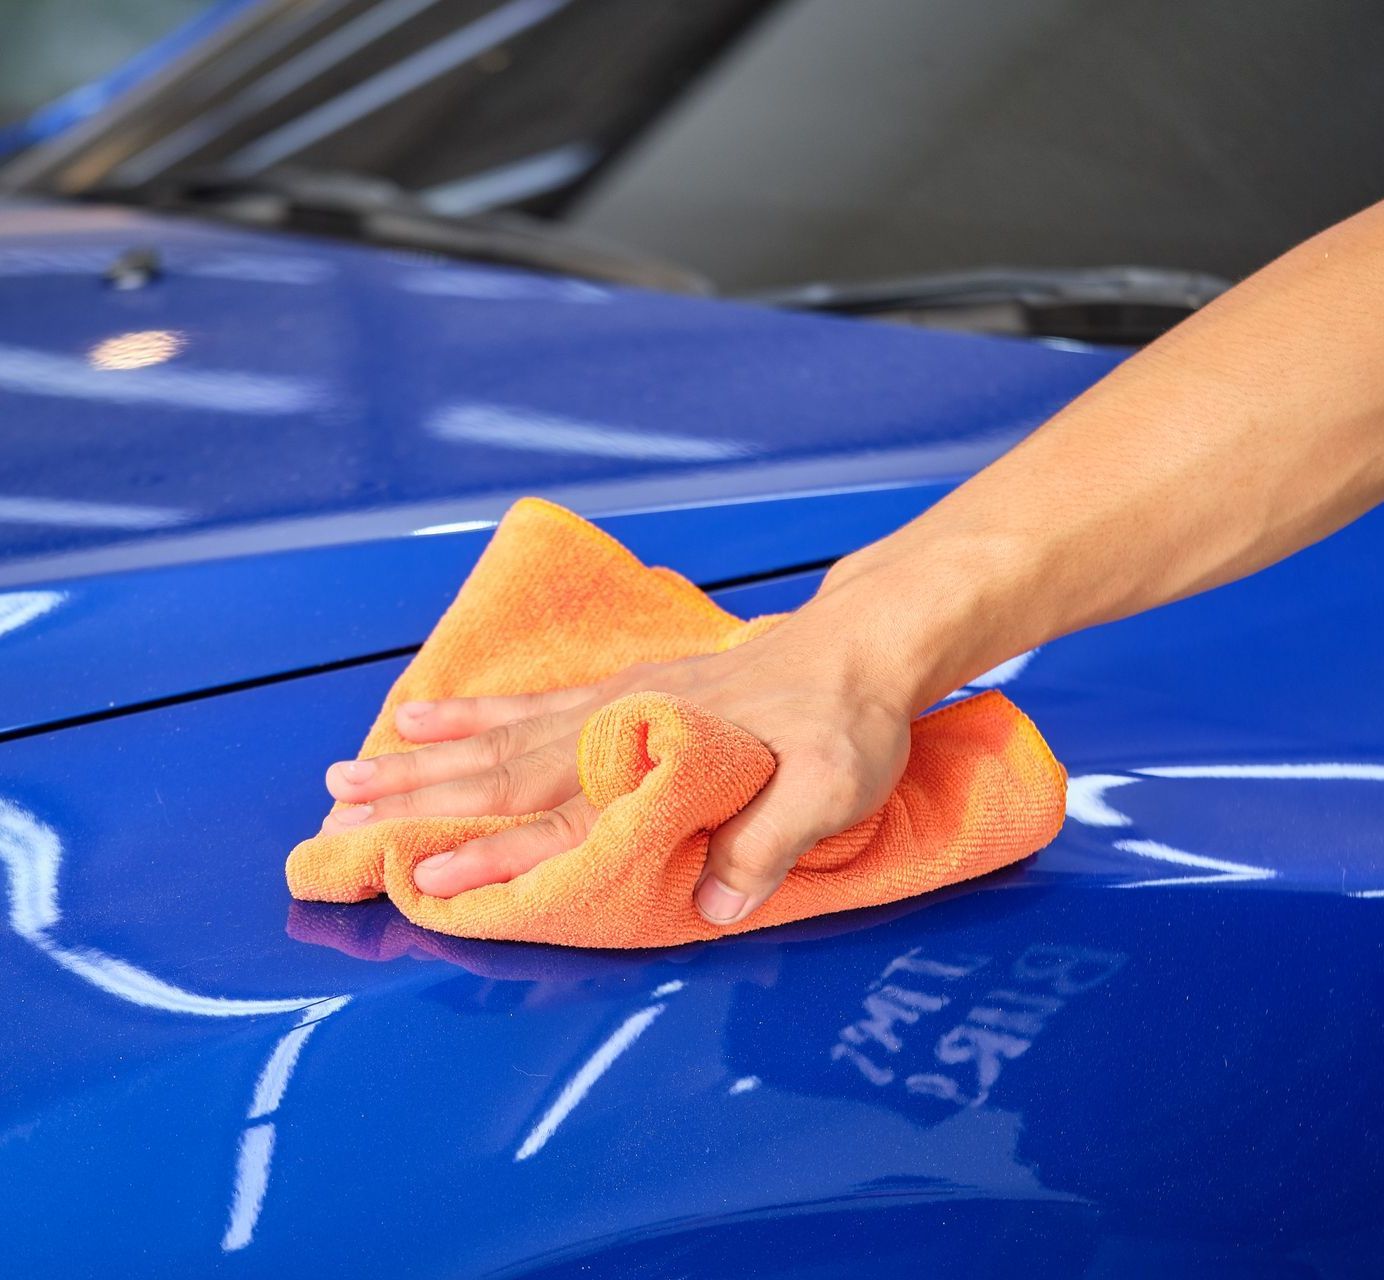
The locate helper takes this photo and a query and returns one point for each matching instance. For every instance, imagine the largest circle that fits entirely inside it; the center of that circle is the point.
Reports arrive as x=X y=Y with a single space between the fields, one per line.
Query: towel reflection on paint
x=1001 y=1024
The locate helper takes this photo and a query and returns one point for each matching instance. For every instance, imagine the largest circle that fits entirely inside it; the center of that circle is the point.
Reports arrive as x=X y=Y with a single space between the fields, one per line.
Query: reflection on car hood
x=1148 y=1050
x=263 y=392
x=219 y=475
x=1152 y=1041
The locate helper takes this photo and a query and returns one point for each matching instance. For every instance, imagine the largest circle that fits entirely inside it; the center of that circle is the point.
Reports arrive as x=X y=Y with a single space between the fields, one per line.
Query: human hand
x=824 y=690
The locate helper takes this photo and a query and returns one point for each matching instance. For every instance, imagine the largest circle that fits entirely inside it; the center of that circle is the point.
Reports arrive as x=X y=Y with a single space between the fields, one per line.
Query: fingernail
x=353 y=815
x=437 y=860
x=357 y=770
x=415 y=710
x=719 y=903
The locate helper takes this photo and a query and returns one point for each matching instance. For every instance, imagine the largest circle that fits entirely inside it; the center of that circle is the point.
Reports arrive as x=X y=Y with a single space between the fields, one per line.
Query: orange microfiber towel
x=555 y=602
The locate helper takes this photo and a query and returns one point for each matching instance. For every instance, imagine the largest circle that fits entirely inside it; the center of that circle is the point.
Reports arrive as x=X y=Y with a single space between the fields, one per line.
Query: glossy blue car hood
x=229 y=472
x=1153 y=1049
x=265 y=392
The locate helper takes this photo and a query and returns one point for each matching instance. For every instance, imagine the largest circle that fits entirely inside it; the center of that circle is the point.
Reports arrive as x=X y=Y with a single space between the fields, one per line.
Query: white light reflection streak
x=532 y=432
x=405 y=76
x=88 y=515
x=257 y=1141
x=46 y=373
x=996 y=676
x=1005 y=672
x=32 y=855
x=251 y=1182
x=1226 y=872
x=479 y=284
x=1329 y=771
x=322 y=54
x=590 y=1071
x=519 y=180
x=1086 y=794
x=137 y=986
x=19 y=608
x=1086 y=803
x=1086 y=799
x=273 y=1080
x=457 y=526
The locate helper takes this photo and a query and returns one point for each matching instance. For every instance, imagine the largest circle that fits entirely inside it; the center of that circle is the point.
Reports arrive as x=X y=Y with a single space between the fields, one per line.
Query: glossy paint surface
x=1151 y=1050
x=126 y=638
x=265 y=392
x=224 y=475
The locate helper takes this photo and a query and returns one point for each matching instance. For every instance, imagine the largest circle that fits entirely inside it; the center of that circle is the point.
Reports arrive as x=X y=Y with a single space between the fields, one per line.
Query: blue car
x=257 y=419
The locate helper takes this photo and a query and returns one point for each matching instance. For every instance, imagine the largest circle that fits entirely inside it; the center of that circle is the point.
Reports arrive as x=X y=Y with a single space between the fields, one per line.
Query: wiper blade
x=354 y=207
x=1119 y=305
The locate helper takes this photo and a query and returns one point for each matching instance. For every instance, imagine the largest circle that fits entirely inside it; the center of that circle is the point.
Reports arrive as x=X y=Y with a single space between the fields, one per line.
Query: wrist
x=928 y=612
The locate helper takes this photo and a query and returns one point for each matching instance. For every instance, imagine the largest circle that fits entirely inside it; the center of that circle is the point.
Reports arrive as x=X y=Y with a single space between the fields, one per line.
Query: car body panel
x=1155 y=1035
x=395 y=391
x=1152 y=1049
x=315 y=406
x=145 y=635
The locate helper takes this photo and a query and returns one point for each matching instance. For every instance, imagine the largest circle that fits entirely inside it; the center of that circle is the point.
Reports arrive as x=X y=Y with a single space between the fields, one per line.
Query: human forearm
x=1248 y=432
x=1252 y=430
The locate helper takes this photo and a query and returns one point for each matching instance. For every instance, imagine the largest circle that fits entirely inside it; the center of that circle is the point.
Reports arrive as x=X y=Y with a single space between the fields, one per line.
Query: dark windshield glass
x=51 y=47
x=768 y=144
x=885 y=138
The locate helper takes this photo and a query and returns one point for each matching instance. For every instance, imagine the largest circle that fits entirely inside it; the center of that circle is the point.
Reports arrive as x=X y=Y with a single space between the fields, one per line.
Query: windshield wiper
x=1125 y=306
x=354 y=207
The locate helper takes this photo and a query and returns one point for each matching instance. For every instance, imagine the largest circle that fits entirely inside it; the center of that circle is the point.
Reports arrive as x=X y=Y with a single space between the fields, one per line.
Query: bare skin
x=1252 y=430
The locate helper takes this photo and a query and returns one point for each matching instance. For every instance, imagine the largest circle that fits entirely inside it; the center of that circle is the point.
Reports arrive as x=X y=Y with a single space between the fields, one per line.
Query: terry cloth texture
x=555 y=602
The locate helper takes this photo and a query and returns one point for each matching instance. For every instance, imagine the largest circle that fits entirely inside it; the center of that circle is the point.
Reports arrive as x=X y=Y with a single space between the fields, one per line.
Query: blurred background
x=845 y=154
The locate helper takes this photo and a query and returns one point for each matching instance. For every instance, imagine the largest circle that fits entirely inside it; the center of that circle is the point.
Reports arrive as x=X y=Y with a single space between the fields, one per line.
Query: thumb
x=749 y=856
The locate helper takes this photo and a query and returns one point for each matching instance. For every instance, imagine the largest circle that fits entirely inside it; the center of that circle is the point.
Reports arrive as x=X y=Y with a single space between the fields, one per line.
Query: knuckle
x=750 y=859
x=499 y=786
x=827 y=755
x=556 y=827
x=835 y=770
x=404 y=769
x=513 y=856
x=493 y=747
x=503 y=867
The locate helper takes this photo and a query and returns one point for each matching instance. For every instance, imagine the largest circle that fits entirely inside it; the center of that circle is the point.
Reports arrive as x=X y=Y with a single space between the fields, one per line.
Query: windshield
x=767 y=146
x=885 y=138
x=63 y=60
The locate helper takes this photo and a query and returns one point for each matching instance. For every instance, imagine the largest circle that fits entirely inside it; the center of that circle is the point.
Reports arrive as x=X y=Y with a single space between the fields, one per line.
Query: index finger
x=450 y=718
